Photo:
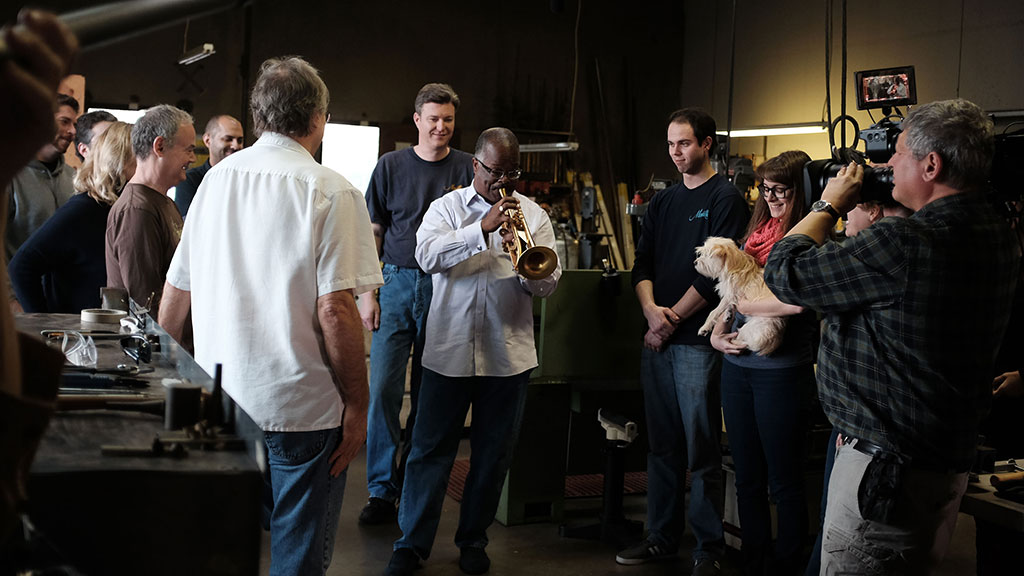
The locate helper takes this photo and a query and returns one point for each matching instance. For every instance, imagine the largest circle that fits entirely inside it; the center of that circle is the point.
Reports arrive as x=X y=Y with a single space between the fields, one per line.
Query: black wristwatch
x=825 y=206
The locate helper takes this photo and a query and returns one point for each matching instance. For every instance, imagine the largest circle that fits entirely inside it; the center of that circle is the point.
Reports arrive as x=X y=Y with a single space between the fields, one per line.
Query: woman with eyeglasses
x=765 y=399
x=62 y=267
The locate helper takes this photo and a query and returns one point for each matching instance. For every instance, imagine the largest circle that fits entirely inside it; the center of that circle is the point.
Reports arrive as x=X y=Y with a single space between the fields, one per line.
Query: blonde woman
x=61 y=267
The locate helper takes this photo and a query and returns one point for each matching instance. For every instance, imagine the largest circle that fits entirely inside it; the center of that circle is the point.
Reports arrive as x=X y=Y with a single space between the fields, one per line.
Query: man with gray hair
x=144 y=226
x=915 y=310
x=403 y=184
x=277 y=309
x=223 y=137
x=88 y=127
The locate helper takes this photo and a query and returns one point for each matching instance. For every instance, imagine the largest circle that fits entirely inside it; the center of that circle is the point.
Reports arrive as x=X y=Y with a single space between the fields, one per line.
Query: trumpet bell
x=537 y=262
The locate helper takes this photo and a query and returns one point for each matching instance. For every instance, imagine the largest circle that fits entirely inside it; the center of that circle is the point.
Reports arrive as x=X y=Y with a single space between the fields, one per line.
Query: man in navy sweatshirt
x=679 y=369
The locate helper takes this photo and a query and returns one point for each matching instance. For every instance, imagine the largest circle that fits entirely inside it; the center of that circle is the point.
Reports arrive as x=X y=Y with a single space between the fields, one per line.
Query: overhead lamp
x=777 y=130
x=196 y=54
x=550 y=147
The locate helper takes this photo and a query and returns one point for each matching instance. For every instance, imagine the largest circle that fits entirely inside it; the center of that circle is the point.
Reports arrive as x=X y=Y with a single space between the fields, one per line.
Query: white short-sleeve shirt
x=268 y=232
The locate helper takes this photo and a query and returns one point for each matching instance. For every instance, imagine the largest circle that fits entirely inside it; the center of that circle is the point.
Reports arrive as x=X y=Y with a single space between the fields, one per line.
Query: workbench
x=106 y=514
x=980 y=501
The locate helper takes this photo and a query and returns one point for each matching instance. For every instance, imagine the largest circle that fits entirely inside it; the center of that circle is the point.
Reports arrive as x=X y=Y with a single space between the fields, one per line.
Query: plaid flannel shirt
x=915 y=311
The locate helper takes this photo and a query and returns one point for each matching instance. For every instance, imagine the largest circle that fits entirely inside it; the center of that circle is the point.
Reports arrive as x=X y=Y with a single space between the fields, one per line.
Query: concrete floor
x=534 y=549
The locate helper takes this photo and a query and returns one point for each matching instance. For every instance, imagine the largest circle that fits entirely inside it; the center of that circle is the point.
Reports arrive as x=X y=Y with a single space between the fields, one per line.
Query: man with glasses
x=679 y=370
x=479 y=351
x=403 y=184
x=915 y=311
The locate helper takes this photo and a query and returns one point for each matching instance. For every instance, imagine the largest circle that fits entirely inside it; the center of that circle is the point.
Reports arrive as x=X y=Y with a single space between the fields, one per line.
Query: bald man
x=223 y=137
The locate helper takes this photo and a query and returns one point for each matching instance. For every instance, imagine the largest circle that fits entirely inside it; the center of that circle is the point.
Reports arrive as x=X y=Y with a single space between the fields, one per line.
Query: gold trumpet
x=528 y=260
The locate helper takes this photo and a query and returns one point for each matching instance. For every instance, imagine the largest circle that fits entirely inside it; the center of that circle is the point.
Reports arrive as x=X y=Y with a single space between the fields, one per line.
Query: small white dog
x=739 y=278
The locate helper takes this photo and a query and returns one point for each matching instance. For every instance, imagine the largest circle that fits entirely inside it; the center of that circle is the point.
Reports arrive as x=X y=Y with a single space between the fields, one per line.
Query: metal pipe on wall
x=115 y=21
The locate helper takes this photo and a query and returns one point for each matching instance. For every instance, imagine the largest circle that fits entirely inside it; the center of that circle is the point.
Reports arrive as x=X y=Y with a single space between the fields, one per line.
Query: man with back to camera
x=88 y=127
x=679 y=368
x=143 y=227
x=479 y=351
x=915 y=311
x=223 y=137
x=277 y=309
x=403 y=185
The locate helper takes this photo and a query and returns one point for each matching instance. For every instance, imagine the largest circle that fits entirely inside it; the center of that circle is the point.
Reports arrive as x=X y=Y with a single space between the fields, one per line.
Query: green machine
x=589 y=339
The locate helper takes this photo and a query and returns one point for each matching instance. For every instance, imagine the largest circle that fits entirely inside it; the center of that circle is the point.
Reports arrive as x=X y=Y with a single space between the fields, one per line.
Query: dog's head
x=718 y=255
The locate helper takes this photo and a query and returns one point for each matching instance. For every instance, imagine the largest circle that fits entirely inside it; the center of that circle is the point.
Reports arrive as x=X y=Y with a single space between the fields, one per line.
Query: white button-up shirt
x=481 y=313
x=269 y=232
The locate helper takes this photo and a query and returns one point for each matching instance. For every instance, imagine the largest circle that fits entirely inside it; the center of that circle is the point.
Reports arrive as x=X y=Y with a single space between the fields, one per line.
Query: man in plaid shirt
x=915 y=310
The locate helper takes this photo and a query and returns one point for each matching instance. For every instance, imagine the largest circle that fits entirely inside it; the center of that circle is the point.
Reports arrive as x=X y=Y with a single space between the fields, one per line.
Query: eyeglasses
x=780 y=192
x=513 y=174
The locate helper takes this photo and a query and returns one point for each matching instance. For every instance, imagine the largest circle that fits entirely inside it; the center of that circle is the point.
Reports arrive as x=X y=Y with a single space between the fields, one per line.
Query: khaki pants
x=916 y=541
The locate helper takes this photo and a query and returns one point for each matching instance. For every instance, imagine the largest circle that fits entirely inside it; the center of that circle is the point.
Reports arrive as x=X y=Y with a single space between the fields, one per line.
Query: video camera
x=886 y=88
x=883 y=88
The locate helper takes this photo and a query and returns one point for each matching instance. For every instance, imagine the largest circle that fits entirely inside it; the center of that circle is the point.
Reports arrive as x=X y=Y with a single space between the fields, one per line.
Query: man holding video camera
x=915 y=310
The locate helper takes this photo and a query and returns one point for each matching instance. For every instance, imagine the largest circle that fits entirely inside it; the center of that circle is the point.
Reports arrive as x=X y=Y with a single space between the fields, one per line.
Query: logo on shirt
x=700 y=214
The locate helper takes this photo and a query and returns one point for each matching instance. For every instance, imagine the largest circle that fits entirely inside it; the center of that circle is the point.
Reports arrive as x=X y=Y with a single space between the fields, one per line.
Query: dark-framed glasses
x=780 y=192
x=513 y=174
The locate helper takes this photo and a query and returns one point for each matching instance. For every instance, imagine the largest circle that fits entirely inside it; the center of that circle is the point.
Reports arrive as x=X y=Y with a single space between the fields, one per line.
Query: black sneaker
x=706 y=567
x=378 y=511
x=403 y=563
x=473 y=560
x=643 y=552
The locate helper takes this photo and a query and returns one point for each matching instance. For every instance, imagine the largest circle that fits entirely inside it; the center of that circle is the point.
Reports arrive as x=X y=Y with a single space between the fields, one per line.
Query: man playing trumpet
x=479 y=351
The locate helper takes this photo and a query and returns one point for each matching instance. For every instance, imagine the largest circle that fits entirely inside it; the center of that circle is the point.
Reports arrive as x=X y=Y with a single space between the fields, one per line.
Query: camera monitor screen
x=886 y=87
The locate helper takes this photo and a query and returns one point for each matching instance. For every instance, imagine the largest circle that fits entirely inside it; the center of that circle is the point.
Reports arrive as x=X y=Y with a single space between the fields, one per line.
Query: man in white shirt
x=479 y=350
x=269 y=261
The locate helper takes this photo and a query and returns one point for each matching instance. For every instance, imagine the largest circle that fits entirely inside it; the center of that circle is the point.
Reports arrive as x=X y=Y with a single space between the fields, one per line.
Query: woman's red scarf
x=760 y=242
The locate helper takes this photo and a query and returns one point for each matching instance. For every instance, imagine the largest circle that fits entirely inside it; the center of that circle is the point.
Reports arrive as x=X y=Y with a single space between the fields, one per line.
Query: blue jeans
x=498 y=404
x=306 y=500
x=684 y=424
x=404 y=302
x=766 y=418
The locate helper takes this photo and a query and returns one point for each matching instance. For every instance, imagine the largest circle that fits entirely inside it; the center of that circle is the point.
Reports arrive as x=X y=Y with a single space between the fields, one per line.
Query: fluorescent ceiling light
x=550 y=147
x=196 y=54
x=781 y=130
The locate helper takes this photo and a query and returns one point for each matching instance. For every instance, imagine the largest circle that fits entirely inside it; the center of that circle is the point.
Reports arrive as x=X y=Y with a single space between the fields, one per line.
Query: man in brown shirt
x=144 y=225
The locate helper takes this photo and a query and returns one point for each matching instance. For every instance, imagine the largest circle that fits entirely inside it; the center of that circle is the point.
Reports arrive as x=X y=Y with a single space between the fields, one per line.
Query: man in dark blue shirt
x=402 y=186
x=679 y=368
x=915 y=312
x=223 y=137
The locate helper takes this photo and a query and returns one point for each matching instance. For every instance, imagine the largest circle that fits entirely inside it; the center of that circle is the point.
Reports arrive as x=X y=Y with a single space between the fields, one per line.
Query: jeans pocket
x=388 y=271
x=295 y=447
